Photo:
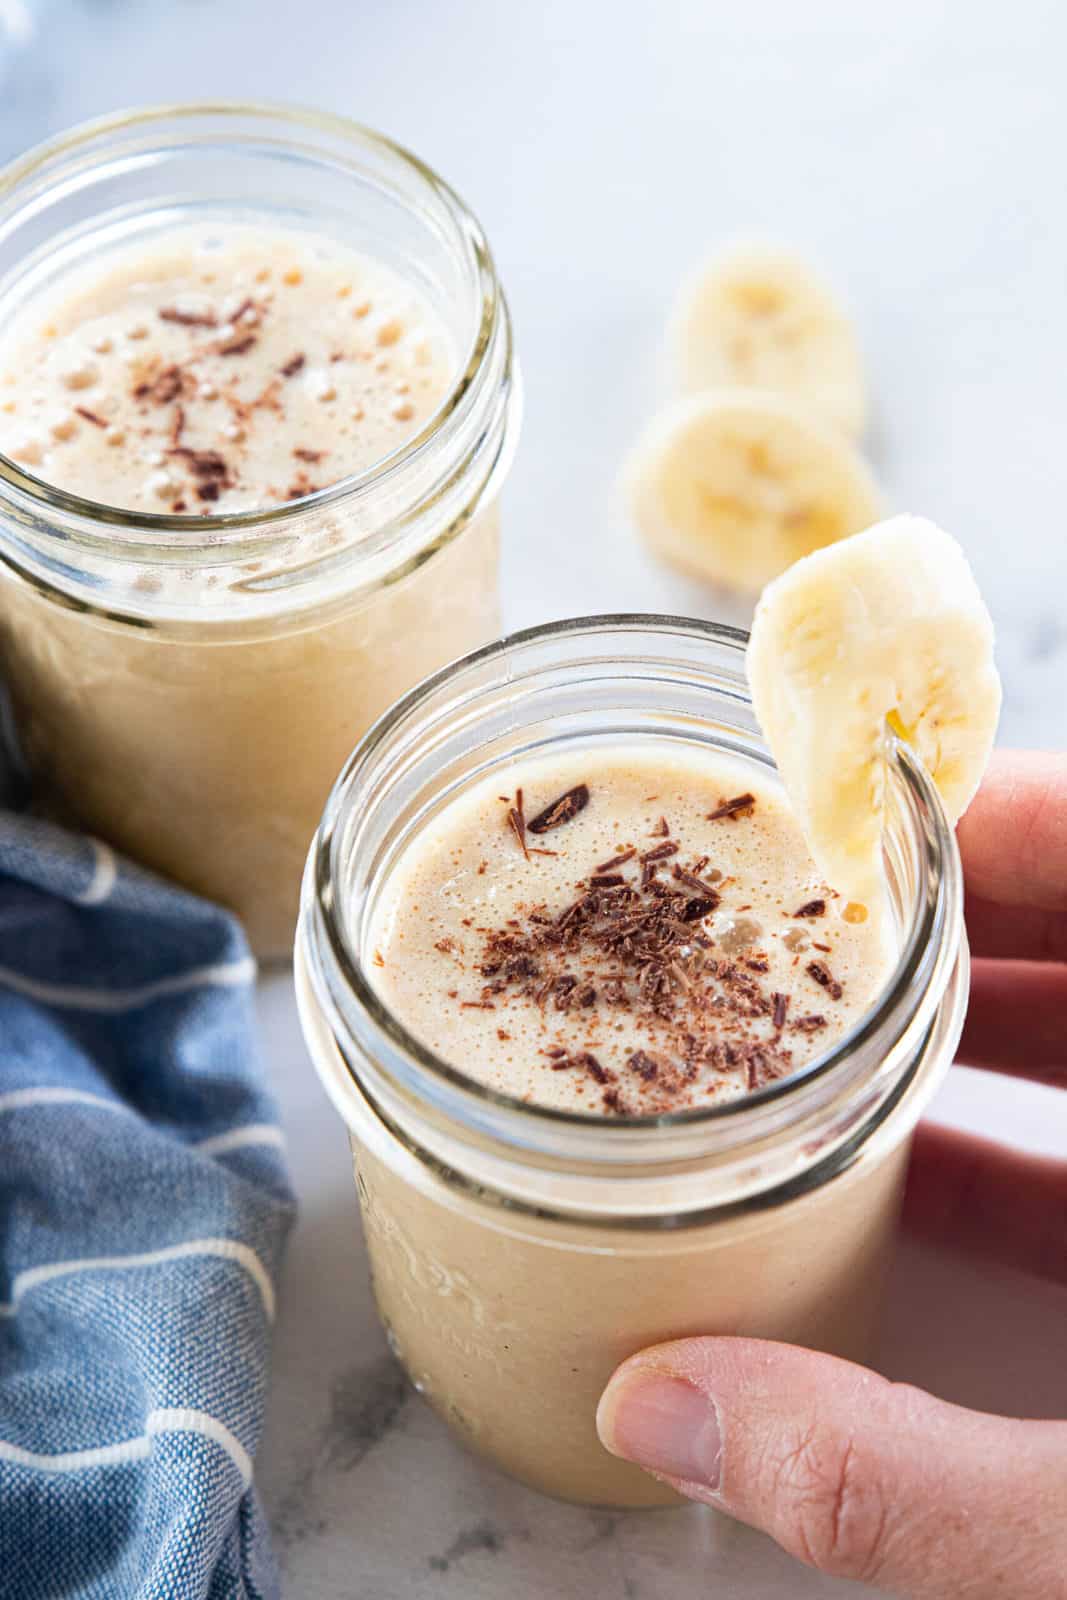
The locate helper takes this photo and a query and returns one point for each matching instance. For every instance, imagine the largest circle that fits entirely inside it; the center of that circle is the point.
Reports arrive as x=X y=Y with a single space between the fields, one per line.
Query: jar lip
x=240 y=530
x=322 y=910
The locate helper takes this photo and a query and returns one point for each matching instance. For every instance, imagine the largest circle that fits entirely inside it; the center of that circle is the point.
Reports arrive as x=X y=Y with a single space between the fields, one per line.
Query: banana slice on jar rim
x=758 y=316
x=734 y=485
x=884 y=633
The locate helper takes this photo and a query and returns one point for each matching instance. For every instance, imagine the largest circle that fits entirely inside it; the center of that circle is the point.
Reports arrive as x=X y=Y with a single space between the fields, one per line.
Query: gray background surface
x=916 y=150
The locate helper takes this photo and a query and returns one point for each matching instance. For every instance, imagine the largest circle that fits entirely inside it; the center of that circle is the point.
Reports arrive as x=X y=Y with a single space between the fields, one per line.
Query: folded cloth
x=143 y=1210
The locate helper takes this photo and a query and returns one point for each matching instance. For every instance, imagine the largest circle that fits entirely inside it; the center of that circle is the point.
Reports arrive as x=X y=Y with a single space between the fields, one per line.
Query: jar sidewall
x=674 y=1231
x=305 y=617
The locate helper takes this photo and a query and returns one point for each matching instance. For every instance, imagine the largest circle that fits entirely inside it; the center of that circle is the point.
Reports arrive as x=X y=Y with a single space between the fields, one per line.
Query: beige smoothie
x=219 y=369
x=206 y=370
x=616 y=935
x=624 y=937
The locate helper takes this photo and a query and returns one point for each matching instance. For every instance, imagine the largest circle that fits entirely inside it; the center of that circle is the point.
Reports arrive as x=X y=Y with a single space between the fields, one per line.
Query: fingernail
x=661 y=1423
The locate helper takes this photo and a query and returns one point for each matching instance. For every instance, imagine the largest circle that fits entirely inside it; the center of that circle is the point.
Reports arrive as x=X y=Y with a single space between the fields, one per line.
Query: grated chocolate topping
x=633 y=942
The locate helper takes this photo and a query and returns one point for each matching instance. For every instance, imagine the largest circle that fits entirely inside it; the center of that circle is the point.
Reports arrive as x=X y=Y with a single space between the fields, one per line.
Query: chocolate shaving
x=239 y=345
x=517 y=823
x=294 y=365
x=201 y=463
x=742 y=805
x=616 y=861
x=660 y=852
x=563 y=990
x=644 y=1065
x=188 y=319
x=781 y=1007
x=562 y=810
x=606 y=880
x=822 y=975
x=691 y=881
x=811 y=908
x=579 y=1060
x=301 y=486
x=661 y=830
x=303 y=454
x=761 y=1068
x=162 y=389
x=592 y=1066
x=91 y=416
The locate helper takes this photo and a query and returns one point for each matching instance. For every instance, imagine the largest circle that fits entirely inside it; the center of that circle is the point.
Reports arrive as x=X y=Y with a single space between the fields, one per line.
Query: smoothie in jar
x=249 y=447
x=617 y=1063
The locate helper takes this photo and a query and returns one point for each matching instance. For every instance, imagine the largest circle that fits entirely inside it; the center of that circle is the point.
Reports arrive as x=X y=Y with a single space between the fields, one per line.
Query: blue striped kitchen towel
x=144 y=1206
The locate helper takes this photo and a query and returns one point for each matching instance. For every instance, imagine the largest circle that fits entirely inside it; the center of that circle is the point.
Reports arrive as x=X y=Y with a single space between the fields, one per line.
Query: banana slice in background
x=759 y=317
x=883 y=633
x=733 y=485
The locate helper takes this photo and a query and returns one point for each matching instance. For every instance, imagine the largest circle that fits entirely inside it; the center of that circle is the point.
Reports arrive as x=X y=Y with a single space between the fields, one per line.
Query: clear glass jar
x=520 y=1253
x=187 y=688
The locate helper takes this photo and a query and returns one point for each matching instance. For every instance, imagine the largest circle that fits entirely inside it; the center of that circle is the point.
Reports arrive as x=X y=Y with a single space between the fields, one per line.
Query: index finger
x=1013 y=838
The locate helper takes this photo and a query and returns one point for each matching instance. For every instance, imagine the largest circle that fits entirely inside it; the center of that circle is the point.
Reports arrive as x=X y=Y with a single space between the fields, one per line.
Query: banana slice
x=734 y=485
x=883 y=632
x=758 y=316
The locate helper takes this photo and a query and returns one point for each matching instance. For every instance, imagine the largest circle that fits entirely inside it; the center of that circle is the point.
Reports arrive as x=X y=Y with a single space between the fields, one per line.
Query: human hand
x=860 y=1477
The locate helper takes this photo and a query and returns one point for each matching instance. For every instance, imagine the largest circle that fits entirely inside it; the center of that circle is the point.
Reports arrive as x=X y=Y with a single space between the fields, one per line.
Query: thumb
x=859 y=1477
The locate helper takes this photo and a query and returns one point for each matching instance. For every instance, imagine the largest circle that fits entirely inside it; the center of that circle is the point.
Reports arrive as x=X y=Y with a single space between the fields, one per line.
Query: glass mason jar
x=519 y=1253
x=187 y=689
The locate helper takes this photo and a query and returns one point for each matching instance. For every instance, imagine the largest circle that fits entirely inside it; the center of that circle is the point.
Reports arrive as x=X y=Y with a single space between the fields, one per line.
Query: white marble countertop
x=917 y=151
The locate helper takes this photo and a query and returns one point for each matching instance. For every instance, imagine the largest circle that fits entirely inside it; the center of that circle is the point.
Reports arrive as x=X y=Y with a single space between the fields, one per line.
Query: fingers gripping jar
x=186 y=687
x=520 y=1252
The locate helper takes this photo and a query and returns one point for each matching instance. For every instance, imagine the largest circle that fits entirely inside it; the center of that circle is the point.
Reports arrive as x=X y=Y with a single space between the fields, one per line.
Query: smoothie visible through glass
x=255 y=400
x=618 y=1065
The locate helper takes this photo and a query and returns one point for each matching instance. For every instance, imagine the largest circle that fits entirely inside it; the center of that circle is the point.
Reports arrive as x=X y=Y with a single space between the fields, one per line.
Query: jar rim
x=323 y=933
x=255 y=532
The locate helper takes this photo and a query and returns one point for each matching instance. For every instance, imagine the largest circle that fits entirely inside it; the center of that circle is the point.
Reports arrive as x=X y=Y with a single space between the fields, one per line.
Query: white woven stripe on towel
x=245 y=1137
x=226 y=1249
x=252 y=1133
x=104 y=878
x=164 y=1420
x=56 y=1095
x=227 y=974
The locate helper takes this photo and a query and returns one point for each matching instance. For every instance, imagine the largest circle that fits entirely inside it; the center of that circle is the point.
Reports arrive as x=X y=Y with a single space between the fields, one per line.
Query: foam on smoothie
x=623 y=934
x=218 y=369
